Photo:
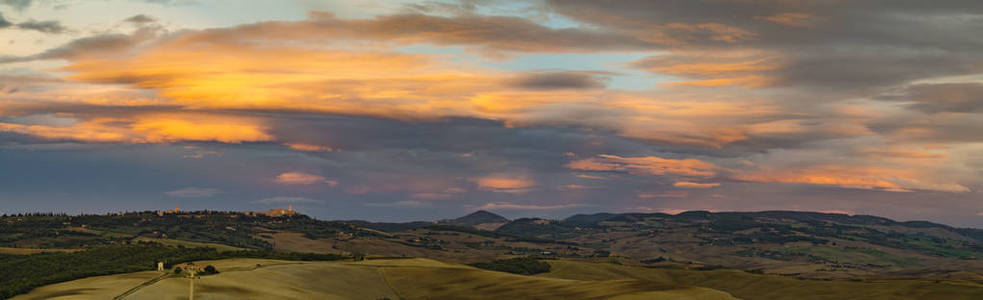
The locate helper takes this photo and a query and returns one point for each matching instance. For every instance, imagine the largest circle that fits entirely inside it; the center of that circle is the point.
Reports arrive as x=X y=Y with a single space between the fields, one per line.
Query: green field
x=172 y=242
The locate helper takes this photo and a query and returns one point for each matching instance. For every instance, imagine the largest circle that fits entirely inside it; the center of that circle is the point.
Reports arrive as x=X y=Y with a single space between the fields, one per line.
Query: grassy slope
x=750 y=286
x=190 y=244
x=26 y=251
x=374 y=279
x=98 y=287
x=429 y=279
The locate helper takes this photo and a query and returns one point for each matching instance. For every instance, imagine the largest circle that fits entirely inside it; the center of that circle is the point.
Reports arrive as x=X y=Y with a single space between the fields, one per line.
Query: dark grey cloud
x=833 y=45
x=492 y=33
x=4 y=23
x=558 y=80
x=140 y=19
x=42 y=26
x=18 y=4
x=966 y=97
x=875 y=68
x=102 y=44
x=944 y=128
x=14 y=83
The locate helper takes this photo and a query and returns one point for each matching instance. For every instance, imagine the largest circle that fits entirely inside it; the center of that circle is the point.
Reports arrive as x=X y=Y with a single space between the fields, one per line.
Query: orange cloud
x=858 y=177
x=298 y=68
x=695 y=185
x=152 y=128
x=683 y=33
x=586 y=176
x=647 y=165
x=743 y=68
x=300 y=178
x=171 y=128
x=505 y=184
x=571 y=187
x=793 y=19
x=902 y=154
x=309 y=147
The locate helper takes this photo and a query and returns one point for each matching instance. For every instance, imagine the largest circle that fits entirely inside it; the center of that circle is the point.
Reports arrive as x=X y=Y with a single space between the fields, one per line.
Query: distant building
x=169 y=211
x=277 y=212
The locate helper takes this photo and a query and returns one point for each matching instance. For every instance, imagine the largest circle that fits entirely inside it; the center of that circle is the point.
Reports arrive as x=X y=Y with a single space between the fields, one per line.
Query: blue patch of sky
x=626 y=77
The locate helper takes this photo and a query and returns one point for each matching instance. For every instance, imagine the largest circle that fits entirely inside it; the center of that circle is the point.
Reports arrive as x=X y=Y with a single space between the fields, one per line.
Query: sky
x=424 y=110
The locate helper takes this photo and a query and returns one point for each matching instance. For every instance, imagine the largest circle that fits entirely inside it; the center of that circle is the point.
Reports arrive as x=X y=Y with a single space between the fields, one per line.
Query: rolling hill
x=429 y=279
x=777 y=244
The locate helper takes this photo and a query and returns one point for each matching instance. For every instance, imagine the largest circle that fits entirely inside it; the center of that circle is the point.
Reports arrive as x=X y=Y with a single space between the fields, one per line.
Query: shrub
x=210 y=269
x=521 y=265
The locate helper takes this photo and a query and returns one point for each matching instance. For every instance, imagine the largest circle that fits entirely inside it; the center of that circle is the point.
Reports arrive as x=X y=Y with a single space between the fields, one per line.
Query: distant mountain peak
x=480 y=217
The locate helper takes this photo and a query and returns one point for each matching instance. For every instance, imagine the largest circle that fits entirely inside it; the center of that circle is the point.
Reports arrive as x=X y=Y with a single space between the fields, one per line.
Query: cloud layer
x=547 y=106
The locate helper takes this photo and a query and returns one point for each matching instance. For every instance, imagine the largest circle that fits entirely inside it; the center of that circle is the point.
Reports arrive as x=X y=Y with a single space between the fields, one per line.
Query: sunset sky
x=420 y=110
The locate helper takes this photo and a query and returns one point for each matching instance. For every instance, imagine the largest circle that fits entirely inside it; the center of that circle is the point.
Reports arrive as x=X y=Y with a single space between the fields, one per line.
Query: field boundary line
x=142 y=285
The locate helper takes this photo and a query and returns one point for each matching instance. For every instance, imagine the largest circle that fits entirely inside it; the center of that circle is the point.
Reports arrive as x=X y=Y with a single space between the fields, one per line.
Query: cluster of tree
x=22 y=273
x=209 y=270
x=520 y=265
x=46 y=230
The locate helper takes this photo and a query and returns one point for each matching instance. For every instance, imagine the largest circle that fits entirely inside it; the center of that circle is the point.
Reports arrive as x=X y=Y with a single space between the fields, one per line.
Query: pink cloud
x=645 y=165
x=695 y=185
x=513 y=184
x=300 y=178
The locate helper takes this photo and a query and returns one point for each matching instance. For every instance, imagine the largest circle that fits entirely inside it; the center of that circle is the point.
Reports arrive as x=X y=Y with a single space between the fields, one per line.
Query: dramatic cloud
x=647 y=165
x=490 y=33
x=140 y=19
x=94 y=46
x=793 y=19
x=532 y=107
x=513 y=184
x=874 y=178
x=962 y=97
x=18 y=4
x=4 y=23
x=309 y=147
x=695 y=185
x=151 y=128
x=557 y=80
x=881 y=43
x=42 y=26
x=194 y=192
x=303 y=179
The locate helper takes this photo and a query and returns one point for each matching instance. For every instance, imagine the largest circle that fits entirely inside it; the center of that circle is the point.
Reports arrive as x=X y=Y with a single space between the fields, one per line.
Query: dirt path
x=143 y=285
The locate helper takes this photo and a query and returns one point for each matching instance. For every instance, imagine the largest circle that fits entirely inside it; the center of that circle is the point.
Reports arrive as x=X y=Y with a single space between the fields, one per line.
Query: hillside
x=429 y=279
x=797 y=243
x=477 y=218
x=371 y=280
x=800 y=244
